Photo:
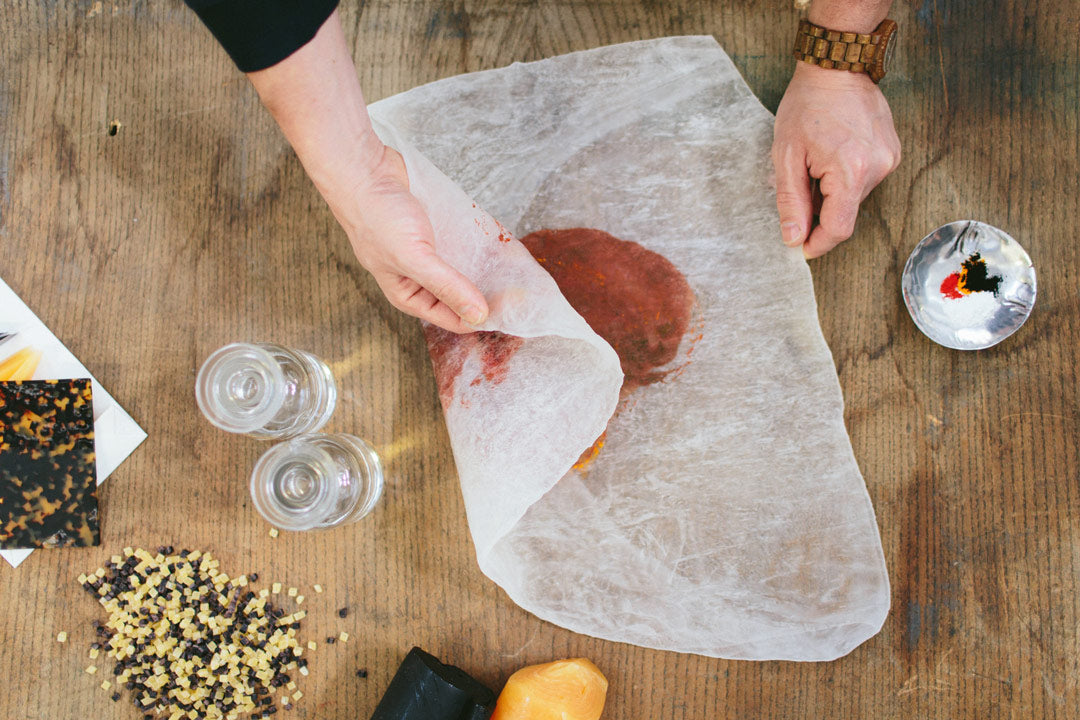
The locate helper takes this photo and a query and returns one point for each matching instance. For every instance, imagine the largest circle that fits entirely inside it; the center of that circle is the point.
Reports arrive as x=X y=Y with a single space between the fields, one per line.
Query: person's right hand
x=392 y=237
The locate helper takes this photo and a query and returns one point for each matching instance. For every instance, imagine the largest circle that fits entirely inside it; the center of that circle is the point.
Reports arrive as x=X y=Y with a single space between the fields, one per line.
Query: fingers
x=420 y=283
x=843 y=189
x=793 y=199
x=450 y=288
x=836 y=223
x=418 y=263
x=413 y=299
x=419 y=296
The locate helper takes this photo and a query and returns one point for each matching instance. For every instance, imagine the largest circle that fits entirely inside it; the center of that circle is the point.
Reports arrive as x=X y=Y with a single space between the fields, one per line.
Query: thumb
x=793 y=199
x=450 y=287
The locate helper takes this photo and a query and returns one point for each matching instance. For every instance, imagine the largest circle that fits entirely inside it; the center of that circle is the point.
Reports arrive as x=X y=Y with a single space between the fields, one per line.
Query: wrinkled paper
x=725 y=515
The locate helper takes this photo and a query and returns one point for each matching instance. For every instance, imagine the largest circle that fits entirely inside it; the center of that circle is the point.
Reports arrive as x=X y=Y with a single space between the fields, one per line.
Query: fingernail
x=472 y=315
x=792 y=233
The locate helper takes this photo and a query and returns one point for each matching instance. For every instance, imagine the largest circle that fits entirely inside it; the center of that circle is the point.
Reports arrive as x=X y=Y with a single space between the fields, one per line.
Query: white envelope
x=115 y=434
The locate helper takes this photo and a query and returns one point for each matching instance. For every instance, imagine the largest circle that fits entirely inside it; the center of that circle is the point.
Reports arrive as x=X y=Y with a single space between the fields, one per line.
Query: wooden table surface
x=191 y=224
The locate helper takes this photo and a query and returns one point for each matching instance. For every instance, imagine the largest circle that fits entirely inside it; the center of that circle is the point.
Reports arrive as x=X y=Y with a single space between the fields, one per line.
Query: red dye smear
x=632 y=297
x=447 y=358
x=495 y=350
x=950 y=287
x=504 y=235
x=449 y=351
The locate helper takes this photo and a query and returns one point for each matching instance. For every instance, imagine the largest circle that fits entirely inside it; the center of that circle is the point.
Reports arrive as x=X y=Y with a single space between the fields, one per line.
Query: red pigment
x=495 y=349
x=950 y=287
x=630 y=296
x=449 y=350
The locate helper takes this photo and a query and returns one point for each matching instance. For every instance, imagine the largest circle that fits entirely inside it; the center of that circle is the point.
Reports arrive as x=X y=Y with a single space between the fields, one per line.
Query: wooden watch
x=856 y=52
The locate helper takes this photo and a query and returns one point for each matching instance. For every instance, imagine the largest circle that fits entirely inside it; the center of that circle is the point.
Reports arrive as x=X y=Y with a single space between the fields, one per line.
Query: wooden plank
x=193 y=225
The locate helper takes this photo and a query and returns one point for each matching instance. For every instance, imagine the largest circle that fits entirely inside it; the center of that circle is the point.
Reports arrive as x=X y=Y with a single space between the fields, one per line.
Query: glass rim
x=217 y=414
x=310 y=517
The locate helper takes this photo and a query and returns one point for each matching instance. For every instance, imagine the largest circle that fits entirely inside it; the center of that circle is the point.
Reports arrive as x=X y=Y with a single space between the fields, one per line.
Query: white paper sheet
x=725 y=515
x=115 y=434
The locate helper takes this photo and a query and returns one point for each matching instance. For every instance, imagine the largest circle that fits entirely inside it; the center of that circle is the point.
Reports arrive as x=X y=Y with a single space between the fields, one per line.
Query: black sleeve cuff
x=261 y=33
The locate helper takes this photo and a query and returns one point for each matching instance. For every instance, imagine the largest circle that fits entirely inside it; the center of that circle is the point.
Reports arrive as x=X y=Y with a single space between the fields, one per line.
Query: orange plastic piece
x=21 y=365
x=563 y=690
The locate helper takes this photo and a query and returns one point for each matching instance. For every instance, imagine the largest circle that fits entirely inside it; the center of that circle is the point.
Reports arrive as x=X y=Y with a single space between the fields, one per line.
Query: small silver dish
x=968 y=285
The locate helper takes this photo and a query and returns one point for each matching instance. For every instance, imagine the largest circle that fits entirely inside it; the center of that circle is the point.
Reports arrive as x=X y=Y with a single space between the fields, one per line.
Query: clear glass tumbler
x=265 y=390
x=316 y=481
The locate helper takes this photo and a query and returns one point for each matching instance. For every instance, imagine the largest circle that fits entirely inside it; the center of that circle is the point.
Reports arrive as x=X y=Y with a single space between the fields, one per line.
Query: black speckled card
x=48 y=478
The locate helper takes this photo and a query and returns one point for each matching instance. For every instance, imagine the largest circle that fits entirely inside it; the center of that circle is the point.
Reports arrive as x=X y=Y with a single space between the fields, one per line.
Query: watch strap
x=835 y=49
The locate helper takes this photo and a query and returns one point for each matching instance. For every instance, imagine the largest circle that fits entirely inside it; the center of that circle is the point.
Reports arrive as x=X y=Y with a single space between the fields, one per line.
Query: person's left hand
x=834 y=126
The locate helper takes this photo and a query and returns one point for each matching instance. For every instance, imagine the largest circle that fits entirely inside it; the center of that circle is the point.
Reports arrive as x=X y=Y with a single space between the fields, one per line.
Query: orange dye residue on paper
x=502 y=234
x=505 y=235
x=589 y=455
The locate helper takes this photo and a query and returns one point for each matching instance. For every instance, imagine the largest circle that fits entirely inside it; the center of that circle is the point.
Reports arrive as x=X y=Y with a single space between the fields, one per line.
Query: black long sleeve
x=261 y=33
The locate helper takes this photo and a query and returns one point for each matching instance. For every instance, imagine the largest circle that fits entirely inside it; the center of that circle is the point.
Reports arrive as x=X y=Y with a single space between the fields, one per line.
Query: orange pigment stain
x=590 y=454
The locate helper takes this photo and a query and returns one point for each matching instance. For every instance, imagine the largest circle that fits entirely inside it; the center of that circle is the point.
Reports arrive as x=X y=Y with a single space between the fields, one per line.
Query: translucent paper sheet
x=725 y=514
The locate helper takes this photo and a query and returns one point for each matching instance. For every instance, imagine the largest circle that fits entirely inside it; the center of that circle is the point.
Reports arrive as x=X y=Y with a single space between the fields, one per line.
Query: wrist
x=343 y=161
x=821 y=78
x=349 y=184
x=849 y=15
x=315 y=97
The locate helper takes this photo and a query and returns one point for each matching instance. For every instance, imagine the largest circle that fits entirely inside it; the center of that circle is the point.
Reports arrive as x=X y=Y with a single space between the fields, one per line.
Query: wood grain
x=194 y=225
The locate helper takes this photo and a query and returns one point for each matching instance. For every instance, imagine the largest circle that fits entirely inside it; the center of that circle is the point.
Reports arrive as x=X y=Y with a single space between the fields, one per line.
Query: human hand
x=315 y=96
x=392 y=237
x=834 y=126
